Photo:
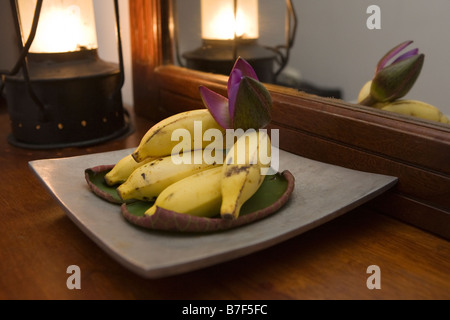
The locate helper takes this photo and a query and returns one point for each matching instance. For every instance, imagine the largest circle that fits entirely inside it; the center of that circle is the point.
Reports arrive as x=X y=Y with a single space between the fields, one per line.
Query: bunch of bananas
x=208 y=182
x=409 y=107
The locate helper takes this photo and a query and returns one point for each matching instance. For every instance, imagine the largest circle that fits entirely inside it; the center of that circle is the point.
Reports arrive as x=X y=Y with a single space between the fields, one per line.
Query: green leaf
x=253 y=106
x=395 y=81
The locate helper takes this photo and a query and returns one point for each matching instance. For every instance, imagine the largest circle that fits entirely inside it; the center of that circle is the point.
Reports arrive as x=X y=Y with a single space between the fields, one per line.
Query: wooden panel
x=413 y=212
x=362 y=128
x=419 y=183
x=150 y=47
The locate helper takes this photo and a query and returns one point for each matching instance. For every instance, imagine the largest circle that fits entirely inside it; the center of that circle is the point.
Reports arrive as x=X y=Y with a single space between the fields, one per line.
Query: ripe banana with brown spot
x=243 y=171
x=158 y=141
x=148 y=180
x=198 y=195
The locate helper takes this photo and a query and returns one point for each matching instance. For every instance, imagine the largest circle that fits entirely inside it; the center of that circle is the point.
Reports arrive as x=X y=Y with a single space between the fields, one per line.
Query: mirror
x=323 y=129
x=338 y=43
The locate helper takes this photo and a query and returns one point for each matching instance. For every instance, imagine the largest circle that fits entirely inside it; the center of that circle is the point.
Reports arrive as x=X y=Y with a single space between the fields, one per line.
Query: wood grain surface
x=38 y=242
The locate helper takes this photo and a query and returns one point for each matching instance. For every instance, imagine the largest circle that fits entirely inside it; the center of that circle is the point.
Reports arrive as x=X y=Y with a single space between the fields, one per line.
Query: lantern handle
x=291 y=30
x=26 y=47
x=22 y=61
x=175 y=33
x=119 y=47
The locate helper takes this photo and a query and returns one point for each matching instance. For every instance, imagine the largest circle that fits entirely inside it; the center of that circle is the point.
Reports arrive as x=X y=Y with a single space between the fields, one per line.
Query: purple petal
x=391 y=54
x=245 y=69
x=234 y=80
x=407 y=55
x=233 y=89
x=217 y=106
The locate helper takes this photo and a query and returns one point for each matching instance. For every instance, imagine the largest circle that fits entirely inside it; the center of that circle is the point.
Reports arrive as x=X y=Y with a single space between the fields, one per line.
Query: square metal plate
x=322 y=192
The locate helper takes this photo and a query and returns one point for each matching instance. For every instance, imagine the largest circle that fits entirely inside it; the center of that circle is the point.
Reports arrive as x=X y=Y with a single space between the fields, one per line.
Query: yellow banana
x=242 y=171
x=413 y=108
x=417 y=109
x=122 y=170
x=157 y=142
x=365 y=93
x=198 y=195
x=148 y=180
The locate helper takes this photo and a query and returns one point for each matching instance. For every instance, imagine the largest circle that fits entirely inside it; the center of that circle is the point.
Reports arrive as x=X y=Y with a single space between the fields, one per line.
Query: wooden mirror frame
x=327 y=130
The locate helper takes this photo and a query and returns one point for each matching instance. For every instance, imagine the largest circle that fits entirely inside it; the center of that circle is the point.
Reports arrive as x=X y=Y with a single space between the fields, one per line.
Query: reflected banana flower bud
x=393 y=81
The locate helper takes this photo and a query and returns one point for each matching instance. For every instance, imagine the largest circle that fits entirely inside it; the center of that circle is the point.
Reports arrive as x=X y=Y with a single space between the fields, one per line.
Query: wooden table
x=38 y=242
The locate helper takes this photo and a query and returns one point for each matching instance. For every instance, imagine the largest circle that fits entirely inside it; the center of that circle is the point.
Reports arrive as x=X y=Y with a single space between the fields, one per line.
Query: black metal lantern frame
x=68 y=99
x=219 y=56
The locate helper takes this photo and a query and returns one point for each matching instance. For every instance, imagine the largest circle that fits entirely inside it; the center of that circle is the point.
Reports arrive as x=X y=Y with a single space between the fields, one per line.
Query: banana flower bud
x=249 y=104
x=394 y=81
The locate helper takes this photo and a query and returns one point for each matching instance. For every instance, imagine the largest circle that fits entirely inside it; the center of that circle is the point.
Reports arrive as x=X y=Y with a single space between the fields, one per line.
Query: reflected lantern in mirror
x=64 y=94
x=230 y=29
x=221 y=22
